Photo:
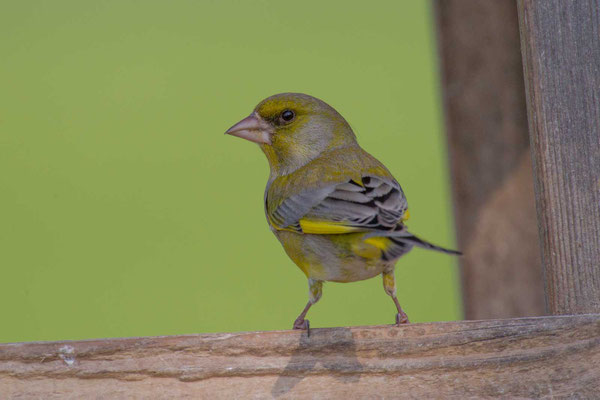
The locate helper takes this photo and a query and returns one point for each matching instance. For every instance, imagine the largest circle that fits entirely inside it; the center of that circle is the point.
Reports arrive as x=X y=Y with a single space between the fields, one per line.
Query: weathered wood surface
x=560 y=42
x=488 y=142
x=523 y=358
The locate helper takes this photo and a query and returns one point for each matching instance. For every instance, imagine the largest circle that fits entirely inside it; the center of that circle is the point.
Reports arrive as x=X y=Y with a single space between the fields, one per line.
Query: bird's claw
x=402 y=318
x=302 y=324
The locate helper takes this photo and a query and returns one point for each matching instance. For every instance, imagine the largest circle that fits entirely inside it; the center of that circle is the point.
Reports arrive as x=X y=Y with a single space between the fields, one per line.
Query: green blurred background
x=125 y=211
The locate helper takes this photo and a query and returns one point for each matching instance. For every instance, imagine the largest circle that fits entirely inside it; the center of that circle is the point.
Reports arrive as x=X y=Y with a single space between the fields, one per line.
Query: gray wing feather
x=378 y=203
x=295 y=207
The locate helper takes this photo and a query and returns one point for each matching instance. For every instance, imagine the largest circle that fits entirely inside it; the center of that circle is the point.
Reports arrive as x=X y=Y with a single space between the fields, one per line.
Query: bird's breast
x=335 y=258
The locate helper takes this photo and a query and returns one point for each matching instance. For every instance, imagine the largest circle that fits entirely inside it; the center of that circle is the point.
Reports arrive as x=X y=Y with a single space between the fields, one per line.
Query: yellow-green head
x=294 y=128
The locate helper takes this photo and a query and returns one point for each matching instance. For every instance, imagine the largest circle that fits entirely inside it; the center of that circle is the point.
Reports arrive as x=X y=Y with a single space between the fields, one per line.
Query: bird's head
x=292 y=129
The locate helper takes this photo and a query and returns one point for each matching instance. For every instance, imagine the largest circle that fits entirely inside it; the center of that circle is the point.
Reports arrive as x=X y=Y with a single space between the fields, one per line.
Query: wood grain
x=560 y=42
x=518 y=358
x=488 y=142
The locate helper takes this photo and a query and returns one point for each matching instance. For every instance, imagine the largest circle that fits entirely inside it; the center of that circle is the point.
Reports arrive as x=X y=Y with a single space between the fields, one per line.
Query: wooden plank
x=488 y=142
x=560 y=42
x=524 y=358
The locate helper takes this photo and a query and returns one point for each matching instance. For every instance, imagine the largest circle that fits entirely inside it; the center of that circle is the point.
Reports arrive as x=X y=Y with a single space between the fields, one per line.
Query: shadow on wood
x=528 y=357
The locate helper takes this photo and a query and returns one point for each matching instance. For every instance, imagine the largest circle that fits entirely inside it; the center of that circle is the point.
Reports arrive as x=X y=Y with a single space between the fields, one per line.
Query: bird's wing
x=365 y=203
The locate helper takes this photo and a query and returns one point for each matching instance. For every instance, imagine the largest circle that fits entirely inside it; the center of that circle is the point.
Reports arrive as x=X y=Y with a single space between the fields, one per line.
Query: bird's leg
x=315 y=290
x=389 y=284
x=300 y=322
x=401 y=317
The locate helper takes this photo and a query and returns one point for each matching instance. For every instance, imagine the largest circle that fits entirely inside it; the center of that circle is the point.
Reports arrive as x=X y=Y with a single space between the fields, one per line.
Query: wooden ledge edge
x=524 y=358
x=441 y=326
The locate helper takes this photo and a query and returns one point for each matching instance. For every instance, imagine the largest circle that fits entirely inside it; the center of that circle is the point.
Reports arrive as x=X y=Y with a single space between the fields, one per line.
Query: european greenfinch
x=338 y=212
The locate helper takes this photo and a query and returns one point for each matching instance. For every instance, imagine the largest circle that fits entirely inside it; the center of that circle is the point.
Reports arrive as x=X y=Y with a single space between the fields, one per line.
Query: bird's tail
x=409 y=238
x=403 y=241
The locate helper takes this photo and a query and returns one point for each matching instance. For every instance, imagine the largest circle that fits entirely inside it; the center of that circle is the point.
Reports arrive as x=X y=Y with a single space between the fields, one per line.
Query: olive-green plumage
x=337 y=211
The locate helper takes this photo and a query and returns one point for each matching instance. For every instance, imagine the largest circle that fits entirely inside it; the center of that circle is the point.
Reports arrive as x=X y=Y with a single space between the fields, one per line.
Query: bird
x=338 y=212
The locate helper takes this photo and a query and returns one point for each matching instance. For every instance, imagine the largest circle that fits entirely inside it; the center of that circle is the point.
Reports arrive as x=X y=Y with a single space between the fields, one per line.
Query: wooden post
x=519 y=358
x=488 y=142
x=560 y=42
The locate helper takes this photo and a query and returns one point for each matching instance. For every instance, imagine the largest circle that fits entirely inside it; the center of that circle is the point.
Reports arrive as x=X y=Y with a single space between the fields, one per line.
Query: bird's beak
x=252 y=128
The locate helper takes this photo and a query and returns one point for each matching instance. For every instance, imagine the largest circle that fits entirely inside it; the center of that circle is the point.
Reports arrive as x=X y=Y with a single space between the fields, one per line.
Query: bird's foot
x=302 y=324
x=401 y=318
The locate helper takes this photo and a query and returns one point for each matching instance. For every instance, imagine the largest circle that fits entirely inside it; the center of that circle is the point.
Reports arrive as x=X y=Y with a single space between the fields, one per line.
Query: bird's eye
x=287 y=115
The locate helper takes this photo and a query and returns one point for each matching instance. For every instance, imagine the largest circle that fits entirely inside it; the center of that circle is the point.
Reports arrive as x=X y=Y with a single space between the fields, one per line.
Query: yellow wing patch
x=370 y=248
x=382 y=243
x=316 y=227
x=406 y=215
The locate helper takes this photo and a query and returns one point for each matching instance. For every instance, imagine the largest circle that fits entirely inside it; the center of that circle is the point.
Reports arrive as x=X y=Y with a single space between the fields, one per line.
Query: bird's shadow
x=316 y=350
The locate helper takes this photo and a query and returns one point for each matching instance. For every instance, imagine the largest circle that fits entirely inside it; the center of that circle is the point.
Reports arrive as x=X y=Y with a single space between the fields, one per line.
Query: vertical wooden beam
x=486 y=124
x=560 y=42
